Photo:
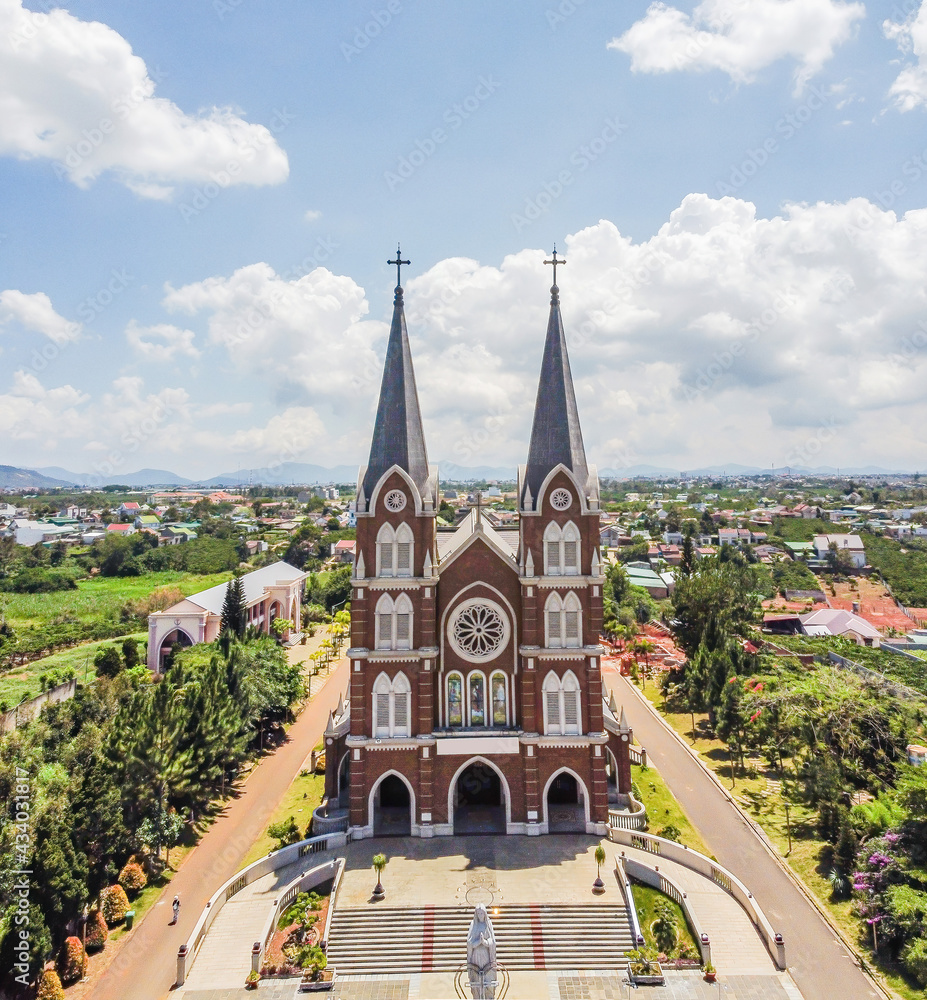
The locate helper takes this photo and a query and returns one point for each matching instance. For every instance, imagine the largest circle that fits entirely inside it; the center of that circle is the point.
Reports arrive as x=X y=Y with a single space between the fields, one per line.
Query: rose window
x=395 y=500
x=478 y=631
x=560 y=499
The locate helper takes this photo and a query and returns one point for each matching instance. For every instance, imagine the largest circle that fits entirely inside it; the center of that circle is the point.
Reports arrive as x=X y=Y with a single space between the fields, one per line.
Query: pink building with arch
x=272 y=592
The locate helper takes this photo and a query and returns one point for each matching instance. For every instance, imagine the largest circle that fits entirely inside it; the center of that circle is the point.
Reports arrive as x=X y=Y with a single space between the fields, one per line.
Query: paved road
x=145 y=967
x=818 y=960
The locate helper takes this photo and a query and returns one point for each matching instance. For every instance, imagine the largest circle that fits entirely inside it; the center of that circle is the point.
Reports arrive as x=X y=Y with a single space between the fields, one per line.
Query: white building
x=272 y=592
x=852 y=545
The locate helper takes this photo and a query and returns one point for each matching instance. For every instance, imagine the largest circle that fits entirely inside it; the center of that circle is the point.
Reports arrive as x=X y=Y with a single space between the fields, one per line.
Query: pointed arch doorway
x=479 y=798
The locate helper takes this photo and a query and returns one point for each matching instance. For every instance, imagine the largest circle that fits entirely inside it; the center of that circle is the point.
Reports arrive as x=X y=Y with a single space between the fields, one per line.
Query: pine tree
x=62 y=886
x=688 y=556
x=234 y=618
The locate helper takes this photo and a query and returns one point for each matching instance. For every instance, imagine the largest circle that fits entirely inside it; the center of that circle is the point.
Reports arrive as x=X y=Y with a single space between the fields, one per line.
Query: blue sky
x=197 y=201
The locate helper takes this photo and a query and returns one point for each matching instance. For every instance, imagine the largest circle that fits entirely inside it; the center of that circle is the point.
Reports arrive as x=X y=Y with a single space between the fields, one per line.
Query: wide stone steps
x=434 y=939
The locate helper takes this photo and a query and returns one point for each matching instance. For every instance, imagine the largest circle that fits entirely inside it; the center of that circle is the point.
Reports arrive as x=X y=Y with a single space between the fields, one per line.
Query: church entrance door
x=479 y=804
x=392 y=808
x=565 y=810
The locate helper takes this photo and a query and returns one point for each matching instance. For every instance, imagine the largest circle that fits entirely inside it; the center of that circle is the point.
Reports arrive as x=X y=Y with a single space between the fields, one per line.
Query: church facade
x=476 y=700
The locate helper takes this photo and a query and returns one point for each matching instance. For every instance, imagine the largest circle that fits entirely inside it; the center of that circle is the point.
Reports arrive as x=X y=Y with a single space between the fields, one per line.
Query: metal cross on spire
x=555 y=262
x=398 y=262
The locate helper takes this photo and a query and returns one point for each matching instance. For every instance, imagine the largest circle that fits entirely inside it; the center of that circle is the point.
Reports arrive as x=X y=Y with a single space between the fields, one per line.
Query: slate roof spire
x=398 y=436
x=556 y=437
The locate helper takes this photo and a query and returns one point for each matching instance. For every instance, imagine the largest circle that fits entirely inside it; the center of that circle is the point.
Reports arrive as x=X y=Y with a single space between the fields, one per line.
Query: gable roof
x=450 y=545
x=254 y=586
x=834 y=621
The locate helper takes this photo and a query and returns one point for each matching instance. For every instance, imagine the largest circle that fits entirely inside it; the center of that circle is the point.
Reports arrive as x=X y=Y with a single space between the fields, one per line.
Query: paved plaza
x=464 y=871
x=530 y=986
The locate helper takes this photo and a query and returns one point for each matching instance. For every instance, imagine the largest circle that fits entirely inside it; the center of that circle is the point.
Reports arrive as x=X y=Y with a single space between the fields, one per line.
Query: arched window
x=455 y=700
x=563 y=621
x=561 y=704
x=477 y=685
x=394 y=622
x=499 y=689
x=391 y=706
x=386 y=543
x=404 y=553
x=561 y=550
x=395 y=550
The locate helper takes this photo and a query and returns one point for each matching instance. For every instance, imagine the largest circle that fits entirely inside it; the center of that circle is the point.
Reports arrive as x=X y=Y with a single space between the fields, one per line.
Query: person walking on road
x=175 y=906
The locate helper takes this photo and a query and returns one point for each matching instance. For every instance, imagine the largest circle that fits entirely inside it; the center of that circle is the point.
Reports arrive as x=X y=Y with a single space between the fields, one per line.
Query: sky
x=198 y=199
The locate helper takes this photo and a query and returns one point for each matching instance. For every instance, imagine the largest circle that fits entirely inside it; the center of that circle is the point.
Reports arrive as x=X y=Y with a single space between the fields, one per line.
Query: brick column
x=532 y=784
x=358 y=798
x=425 y=791
x=426 y=719
x=594 y=710
x=358 y=698
x=598 y=807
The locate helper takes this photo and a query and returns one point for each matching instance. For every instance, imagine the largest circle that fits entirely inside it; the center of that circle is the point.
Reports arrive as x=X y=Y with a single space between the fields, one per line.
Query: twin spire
x=398 y=435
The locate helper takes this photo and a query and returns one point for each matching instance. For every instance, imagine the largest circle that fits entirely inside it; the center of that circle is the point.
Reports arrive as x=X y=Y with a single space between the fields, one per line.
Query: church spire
x=398 y=437
x=556 y=437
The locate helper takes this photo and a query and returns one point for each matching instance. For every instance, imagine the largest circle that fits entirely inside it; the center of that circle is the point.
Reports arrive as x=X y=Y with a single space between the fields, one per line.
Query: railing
x=682 y=855
x=276 y=859
x=652 y=877
x=634 y=819
x=303 y=883
x=638 y=757
x=624 y=883
x=323 y=822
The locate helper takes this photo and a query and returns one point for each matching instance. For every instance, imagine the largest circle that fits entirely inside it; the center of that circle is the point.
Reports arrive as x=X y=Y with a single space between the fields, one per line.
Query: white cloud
x=36 y=313
x=312 y=215
x=739 y=37
x=910 y=87
x=161 y=342
x=799 y=339
x=72 y=91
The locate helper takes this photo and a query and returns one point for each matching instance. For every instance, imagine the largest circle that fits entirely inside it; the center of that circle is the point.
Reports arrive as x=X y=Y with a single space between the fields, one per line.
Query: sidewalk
x=144 y=968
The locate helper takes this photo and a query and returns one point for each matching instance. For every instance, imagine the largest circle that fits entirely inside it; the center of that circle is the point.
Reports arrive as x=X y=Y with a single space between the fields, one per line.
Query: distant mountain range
x=300 y=473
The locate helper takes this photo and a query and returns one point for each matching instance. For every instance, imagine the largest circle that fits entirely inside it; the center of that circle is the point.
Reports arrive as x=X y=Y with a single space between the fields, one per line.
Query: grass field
x=645 y=901
x=99 y=598
x=662 y=808
x=24 y=681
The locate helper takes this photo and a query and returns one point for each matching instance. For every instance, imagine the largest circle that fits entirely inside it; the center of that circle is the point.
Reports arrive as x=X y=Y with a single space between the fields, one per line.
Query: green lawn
x=300 y=799
x=645 y=901
x=24 y=681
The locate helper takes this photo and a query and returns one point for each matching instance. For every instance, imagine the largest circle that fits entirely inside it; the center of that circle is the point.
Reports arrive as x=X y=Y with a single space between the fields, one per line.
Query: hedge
x=97 y=932
x=72 y=961
x=50 y=987
x=115 y=904
x=132 y=878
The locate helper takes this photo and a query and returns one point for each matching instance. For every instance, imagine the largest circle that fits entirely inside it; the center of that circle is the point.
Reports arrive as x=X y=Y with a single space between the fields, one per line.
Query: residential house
x=120 y=529
x=851 y=545
x=833 y=621
x=128 y=509
x=345 y=550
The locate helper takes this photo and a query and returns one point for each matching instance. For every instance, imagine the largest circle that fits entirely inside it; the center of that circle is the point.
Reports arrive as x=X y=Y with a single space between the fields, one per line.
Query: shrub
x=285 y=832
x=72 y=961
x=97 y=931
x=914 y=957
x=108 y=662
x=50 y=987
x=115 y=904
x=132 y=878
x=34 y=580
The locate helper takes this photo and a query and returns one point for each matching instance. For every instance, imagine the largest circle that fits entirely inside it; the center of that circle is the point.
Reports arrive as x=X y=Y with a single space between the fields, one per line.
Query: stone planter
x=652 y=977
x=324 y=983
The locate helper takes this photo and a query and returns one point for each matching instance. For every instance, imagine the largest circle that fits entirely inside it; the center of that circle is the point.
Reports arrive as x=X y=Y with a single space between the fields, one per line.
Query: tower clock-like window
x=561 y=550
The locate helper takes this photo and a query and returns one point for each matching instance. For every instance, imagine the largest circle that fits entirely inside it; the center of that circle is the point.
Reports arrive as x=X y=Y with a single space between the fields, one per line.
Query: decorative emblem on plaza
x=395 y=500
x=478 y=630
x=560 y=499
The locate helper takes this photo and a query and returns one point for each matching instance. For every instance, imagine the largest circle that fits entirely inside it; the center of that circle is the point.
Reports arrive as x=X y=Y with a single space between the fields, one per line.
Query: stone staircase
x=434 y=938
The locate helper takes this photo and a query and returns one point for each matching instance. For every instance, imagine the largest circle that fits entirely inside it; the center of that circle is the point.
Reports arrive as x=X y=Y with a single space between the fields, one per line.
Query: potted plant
x=598 y=887
x=253 y=978
x=710 y=973
x=379 y=863
x=317 y=976
x=644 y=969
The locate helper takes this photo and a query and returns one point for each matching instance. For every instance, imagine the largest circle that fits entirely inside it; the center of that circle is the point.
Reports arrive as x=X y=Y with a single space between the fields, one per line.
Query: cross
x=398 y=262
x=555 y=262
x=479 y=505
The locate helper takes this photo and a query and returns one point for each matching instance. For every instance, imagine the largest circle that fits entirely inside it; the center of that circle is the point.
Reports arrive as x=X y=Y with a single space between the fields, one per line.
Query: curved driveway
x=818 y=960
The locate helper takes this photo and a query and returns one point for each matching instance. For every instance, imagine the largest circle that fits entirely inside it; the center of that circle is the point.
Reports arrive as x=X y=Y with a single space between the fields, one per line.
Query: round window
x=560 y=499
x=395 y=500
x=478 y=630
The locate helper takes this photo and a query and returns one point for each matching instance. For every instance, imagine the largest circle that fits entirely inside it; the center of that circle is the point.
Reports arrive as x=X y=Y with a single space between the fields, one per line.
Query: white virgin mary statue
x=481 y=956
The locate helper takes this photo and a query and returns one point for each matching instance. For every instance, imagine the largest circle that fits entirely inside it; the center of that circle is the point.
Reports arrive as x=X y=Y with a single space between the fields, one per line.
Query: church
x=476 y=700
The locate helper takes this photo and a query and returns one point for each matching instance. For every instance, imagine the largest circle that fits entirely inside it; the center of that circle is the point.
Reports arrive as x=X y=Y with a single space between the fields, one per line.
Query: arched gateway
x=479 y=800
